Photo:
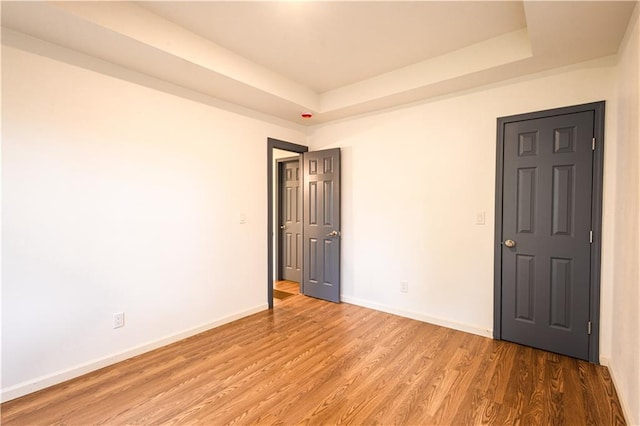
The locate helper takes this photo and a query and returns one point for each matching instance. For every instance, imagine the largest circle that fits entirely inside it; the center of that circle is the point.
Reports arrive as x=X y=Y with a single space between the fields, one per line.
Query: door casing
x=596 y=214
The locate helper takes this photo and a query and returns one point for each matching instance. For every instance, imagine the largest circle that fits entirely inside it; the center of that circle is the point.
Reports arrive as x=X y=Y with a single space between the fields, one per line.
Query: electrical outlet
x=404 y=286
x=118 y=320
x=480 y=218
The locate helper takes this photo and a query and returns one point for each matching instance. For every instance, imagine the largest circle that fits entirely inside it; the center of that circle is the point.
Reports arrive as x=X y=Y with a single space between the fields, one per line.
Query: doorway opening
x=320 y=235
x=277 y=149
x=288 y=220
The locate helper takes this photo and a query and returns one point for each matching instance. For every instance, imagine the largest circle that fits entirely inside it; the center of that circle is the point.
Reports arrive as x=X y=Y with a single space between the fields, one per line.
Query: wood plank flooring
x=313 y=362
x=287 y=286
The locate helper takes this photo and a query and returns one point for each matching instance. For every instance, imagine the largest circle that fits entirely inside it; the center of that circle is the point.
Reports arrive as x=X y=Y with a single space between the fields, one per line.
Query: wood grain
x=313 y=362
x=287 y=286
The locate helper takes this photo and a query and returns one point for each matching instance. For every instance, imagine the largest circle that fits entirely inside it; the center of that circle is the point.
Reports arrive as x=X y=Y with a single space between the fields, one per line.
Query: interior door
x=546 y=232
x=291 y=221
x=321 y=231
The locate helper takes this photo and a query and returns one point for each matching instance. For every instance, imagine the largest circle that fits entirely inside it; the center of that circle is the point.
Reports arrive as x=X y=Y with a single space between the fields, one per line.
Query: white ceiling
x=333 y=59
x=328 y=45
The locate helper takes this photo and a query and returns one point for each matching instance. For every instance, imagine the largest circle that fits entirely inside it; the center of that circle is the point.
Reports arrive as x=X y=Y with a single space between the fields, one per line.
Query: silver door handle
x=510 y=243
x=333 y=234
x=283 y=226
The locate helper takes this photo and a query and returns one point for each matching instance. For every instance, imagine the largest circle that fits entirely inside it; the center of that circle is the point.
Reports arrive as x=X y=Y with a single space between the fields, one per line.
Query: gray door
x=321 y=201
x=546 y=225
x=290 y=221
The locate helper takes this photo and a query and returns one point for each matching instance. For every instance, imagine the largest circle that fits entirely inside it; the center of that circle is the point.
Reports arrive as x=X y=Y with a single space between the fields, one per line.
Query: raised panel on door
x=547 y=190
x=524 y=288
x=321 y=231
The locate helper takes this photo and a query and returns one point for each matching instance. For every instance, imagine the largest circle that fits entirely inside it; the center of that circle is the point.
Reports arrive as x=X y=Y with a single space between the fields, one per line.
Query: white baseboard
x=623 y=402
x=419 y=316
x=42 y=382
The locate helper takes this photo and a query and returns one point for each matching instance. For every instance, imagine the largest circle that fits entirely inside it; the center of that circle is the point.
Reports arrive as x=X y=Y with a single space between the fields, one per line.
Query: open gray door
x=321 y=233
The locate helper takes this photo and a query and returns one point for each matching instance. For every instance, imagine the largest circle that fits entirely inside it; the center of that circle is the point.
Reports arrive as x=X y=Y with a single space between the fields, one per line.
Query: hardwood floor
x=287 y=286
x=314 y=362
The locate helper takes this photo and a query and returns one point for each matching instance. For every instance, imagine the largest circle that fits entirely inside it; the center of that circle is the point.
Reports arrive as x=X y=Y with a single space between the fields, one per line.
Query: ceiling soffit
x=184 y=51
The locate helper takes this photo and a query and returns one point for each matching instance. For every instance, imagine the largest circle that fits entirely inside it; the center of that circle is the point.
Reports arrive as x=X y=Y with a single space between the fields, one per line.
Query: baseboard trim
x=467 y=328
x=623 y=402
x=43 y=382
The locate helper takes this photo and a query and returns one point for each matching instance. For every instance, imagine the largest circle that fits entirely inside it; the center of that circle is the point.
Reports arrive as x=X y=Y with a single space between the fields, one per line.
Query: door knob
x=510 y=243
x=333 y=234
x=283 y=227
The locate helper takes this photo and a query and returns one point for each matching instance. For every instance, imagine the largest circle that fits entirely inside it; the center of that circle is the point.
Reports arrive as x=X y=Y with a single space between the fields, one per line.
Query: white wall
x=117 y=197
x=624 y=359
x=414 y=180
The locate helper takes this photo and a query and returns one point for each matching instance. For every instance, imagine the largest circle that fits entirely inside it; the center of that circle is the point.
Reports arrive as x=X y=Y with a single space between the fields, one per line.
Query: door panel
x=291 y=221
x=547 y=198
x=321 y=233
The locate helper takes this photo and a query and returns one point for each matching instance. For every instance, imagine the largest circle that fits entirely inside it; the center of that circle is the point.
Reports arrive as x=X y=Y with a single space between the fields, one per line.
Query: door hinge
x=589 y=327
x=593 y=144
x=590 y=237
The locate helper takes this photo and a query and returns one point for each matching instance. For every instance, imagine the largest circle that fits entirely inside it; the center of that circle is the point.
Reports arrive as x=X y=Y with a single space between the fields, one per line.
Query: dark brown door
x=290 y=221
x=546 y=232
x=321 y=250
